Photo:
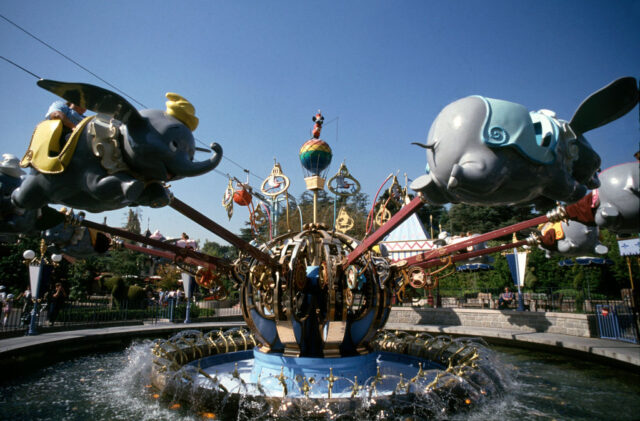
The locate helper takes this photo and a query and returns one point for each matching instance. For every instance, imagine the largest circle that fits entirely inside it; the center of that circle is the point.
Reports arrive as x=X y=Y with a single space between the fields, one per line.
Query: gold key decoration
x=343 y=185
x=344 y=221
x=276 y=183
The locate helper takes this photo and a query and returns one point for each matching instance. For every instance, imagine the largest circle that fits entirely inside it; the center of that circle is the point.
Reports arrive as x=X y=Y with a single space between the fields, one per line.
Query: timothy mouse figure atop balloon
x=117 y=158
x=487 y=151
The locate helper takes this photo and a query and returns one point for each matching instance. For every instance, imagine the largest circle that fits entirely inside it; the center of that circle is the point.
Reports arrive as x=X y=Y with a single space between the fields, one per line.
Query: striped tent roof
x=408 y=239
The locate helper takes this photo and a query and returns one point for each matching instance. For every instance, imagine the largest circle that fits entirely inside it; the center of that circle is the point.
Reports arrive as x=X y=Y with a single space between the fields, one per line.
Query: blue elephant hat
x=533 y=134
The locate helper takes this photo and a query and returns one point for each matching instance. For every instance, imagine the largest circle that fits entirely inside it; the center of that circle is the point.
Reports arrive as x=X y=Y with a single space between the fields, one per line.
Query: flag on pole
x=517 y=265
x=630 y=247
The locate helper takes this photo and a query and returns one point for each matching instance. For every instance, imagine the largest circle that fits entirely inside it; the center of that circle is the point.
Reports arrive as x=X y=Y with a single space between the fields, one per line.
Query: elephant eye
x=173 y=146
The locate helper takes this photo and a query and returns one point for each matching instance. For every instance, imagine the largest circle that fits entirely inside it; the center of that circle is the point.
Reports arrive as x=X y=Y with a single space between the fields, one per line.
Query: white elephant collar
x=106 y=131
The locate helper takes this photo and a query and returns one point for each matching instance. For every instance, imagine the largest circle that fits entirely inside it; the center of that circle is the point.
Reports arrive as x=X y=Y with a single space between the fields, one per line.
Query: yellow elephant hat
x=183 y=110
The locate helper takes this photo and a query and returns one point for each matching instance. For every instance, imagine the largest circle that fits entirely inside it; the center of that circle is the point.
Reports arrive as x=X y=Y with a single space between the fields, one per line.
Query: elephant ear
x=606 y=105
x=94 y=98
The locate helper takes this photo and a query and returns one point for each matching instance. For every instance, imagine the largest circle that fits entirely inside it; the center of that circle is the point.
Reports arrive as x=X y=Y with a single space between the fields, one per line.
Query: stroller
x=25 y=318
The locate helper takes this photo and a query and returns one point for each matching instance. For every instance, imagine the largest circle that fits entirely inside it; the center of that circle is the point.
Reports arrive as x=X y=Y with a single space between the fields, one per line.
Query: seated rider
x=505 y=299
x=69 y=113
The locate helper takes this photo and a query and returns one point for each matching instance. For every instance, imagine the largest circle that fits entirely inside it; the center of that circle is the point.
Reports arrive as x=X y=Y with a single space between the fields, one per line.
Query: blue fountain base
x=255 y=373
x=346 y=370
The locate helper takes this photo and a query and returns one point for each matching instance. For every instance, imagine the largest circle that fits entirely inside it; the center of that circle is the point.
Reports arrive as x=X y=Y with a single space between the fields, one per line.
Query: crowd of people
x=163 y=298
x=53 y=301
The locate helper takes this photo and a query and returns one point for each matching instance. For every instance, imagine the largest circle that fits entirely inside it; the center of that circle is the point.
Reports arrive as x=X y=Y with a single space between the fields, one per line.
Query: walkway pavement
x=21 y=350
x=29 y=343
x=595 y=348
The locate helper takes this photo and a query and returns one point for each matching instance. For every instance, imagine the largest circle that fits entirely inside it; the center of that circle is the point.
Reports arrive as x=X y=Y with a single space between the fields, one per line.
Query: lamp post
x=40 y=269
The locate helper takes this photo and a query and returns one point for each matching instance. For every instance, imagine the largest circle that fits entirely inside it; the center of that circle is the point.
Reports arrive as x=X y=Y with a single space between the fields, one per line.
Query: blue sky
x=257 y=72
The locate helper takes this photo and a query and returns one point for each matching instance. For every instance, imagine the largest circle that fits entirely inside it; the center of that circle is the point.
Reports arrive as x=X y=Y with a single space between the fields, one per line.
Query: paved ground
x=23 y=350
x=25 y=343
x=619 y=351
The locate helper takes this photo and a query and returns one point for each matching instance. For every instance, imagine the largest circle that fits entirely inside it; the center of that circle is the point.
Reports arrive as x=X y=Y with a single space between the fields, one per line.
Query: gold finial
x=183 y=110
x=356 y=387
x=43 y=247
x=376 y=380
x=235 y=374
x=418 y=375
x=331 y=380
x=282 y=379
x=434 y=383
x=306 y=384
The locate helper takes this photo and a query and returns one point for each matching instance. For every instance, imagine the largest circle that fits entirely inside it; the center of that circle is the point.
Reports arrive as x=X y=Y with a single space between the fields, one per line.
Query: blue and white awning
x=586 y=261
x=630 y=247
x=474 y=267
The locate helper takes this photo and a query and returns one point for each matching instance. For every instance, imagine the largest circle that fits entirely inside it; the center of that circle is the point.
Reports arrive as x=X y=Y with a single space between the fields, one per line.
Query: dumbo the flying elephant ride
x=316 y=301
x=119 y=157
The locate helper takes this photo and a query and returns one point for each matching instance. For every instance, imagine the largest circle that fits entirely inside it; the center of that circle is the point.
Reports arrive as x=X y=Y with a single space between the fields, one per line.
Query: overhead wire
x=99 y=78
x=20 y=67
x=70 y=59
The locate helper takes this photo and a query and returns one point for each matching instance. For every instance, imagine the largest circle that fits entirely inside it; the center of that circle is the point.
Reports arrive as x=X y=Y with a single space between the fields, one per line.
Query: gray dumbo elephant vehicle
x=19 y=221
x=486 y=151
x=571 y=238
x=615 y=205
x=76 y=241
x=618 y=199
x=119 y=157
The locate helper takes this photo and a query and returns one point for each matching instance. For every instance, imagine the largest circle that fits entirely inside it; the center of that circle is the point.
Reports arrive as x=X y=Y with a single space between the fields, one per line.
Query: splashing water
x=113 y=386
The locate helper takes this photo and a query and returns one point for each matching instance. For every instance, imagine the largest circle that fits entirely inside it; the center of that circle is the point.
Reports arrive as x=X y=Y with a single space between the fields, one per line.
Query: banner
x=630 y=247
x=39 y=277
x=517 y=266
x=187 y=284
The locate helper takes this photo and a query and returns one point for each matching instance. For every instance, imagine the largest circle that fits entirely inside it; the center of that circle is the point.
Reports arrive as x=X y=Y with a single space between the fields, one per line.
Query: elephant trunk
x=192 y=169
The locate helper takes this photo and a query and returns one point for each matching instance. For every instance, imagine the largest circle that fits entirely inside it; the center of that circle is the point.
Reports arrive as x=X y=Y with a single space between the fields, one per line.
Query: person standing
x=26 y=298
x=57 y=301
x=27 y=305
x=3 y=298
x=7 y=306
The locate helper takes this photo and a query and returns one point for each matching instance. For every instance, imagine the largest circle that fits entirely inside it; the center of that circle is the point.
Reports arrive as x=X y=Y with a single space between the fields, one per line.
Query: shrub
x=181 y=311
x=136 y=296
x=118 y=289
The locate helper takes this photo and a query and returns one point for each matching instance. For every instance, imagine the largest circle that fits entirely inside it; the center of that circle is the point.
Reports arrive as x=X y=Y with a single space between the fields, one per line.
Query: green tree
x=13 y=271
x=133 y=221
x=215 y=249
x=169 y=276
x=464 y=218
x=616 y=277
x=81 y=275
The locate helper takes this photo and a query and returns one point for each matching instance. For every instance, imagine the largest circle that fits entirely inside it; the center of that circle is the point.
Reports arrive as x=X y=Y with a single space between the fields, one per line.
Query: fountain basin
x=220 y=372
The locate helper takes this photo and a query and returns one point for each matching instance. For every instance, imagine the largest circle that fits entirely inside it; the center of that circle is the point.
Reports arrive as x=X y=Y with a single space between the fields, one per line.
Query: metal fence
x=100 y=313
x=564 y=301
x=617 y=321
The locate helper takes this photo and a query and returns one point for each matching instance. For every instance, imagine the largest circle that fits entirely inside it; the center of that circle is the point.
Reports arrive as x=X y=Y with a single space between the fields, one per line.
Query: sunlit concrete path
x=577 y=346
x=40 y=350
x=46 y=348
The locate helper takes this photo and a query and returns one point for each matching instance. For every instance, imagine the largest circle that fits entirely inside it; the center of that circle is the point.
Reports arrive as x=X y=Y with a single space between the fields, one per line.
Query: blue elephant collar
x=533 y=134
